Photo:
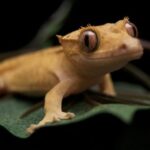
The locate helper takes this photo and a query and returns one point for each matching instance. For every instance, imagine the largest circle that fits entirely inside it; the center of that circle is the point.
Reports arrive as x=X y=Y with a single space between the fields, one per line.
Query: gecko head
x=110 y=46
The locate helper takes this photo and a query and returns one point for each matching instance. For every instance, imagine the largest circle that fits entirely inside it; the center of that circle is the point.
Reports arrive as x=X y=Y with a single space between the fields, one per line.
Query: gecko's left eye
x=89 y=40
x=131 y=29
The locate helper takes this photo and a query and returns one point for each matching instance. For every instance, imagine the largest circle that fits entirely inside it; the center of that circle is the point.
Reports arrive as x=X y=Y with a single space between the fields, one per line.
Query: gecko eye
x=89 y=40
x=131 y=29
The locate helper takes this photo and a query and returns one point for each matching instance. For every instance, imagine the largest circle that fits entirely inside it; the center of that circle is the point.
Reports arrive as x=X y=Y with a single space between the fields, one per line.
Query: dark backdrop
x=19 y=23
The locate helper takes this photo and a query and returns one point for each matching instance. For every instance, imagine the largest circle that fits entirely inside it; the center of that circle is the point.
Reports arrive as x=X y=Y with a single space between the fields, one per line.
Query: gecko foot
x=50 y=118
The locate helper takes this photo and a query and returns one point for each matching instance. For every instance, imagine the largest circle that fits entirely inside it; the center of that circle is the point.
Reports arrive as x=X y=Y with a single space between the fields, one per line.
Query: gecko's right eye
x=89 y=40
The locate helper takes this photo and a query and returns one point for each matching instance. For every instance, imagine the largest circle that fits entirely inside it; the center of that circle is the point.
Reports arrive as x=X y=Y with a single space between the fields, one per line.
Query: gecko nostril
x=123 y=46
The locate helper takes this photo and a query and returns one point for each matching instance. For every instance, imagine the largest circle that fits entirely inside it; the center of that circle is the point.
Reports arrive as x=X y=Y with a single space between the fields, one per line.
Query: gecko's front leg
x=107 y=86
x=53 y=105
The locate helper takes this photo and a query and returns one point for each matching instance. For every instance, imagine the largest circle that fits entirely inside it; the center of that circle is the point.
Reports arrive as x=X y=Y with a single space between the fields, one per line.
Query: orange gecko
x=85 y=57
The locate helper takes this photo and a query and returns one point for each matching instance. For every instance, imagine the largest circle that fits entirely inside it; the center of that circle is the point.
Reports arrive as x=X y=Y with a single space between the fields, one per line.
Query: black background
x=19 y=23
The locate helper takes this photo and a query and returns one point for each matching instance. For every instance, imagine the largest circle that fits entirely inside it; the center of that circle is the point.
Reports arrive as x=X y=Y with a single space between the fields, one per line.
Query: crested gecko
x=84 y=58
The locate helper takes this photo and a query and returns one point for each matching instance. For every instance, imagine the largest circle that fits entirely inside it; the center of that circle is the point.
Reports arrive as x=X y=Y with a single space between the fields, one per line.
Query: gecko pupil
x=89 y=41
x=86 y=40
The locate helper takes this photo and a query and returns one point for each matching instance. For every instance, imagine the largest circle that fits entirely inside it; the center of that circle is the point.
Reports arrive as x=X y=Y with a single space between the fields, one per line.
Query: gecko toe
x=32 y=128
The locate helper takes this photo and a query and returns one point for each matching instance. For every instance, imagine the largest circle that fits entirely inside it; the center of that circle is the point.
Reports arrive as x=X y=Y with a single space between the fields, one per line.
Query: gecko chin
x=136 y=55
x=132 y=54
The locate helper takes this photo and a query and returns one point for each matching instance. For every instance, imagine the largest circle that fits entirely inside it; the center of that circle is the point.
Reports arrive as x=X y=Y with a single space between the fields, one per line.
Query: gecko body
x=84 y=58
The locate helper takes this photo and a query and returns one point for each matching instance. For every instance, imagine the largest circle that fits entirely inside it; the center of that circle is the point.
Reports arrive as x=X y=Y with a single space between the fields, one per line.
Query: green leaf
x=11 y=108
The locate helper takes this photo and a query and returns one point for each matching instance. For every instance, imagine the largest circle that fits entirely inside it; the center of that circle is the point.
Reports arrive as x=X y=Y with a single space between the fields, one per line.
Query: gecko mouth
x=121 y=53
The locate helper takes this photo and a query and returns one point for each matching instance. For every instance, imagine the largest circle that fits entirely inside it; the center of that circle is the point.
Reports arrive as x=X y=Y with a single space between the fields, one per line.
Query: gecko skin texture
x=84 y=58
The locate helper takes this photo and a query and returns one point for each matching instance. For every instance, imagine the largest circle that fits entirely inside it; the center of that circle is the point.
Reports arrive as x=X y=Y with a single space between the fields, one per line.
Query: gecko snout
x=132 y=44
x=133 y=47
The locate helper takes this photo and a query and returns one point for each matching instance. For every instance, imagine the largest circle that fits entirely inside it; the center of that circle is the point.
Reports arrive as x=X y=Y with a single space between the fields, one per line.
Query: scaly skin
x=68 y=69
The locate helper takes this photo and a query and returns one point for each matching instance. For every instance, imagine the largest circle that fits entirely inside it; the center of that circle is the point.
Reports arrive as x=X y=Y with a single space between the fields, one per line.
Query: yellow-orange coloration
x=68 y=69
